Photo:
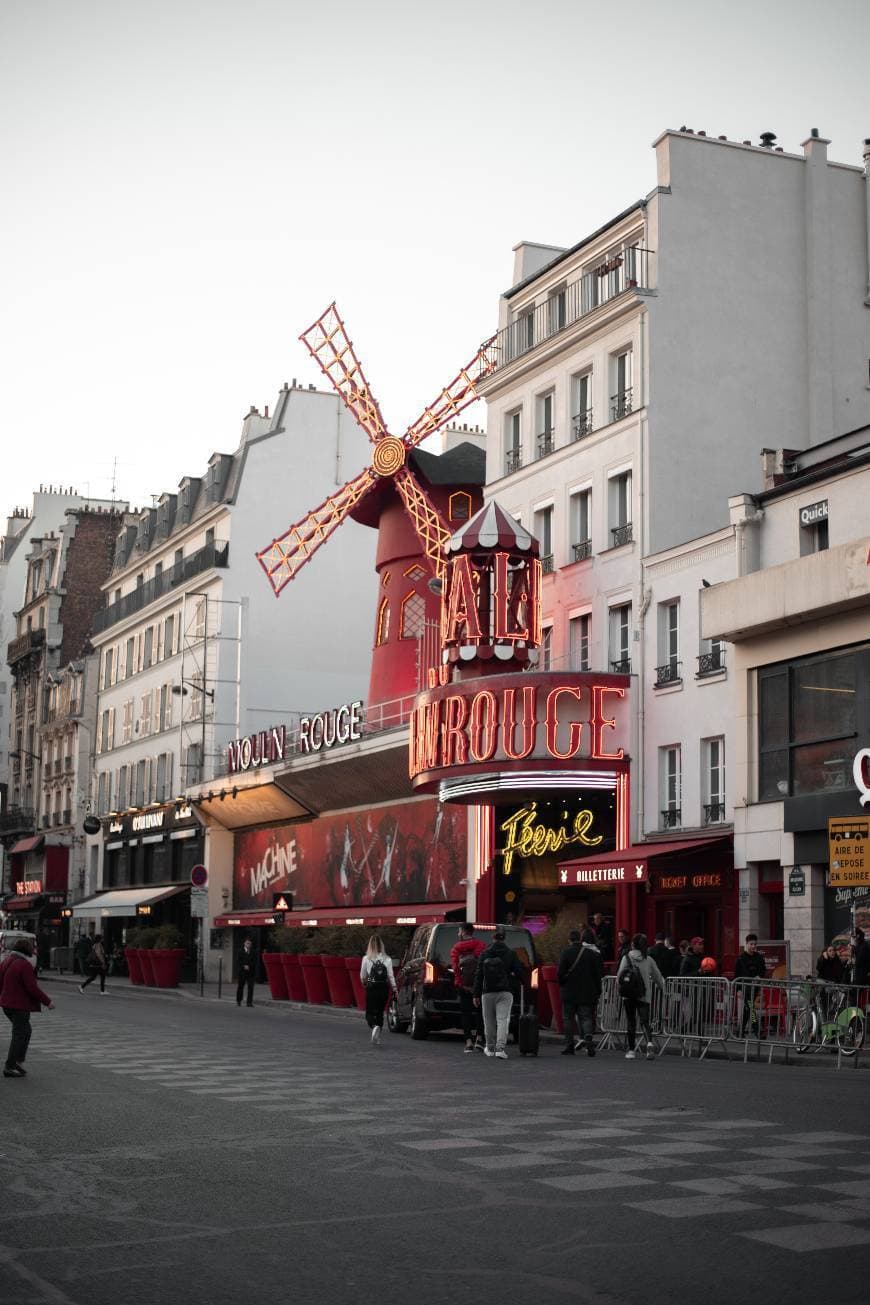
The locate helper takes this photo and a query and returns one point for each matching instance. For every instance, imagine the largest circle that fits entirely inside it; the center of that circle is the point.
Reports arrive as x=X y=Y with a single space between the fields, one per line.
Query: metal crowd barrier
x=796 y=1016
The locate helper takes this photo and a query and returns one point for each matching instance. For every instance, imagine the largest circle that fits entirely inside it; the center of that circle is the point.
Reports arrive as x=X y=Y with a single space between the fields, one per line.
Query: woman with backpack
x=98 y=965
x=635 y=978
x=376 y=976
x=464 y=956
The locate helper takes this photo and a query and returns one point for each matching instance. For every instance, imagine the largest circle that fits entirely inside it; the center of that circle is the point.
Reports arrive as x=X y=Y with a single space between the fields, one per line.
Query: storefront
x=40 y=869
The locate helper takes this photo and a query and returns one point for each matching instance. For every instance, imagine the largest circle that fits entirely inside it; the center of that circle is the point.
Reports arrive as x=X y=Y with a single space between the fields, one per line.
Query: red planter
x=166 y=966
x=314 y=978
x=352 y=965
x=545 y=1011
x=338 y=981
x=134 y=965
x=275 y=975
x=550 y=980
x=145 y=960
x=293 y=977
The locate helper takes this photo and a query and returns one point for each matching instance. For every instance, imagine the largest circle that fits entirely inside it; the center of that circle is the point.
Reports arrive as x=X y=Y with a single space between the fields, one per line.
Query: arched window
x=383 y=630
x=459 y=507
x=413 y=616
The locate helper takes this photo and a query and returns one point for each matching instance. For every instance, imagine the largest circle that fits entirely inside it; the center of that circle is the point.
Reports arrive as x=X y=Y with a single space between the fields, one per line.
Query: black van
x=427 y=998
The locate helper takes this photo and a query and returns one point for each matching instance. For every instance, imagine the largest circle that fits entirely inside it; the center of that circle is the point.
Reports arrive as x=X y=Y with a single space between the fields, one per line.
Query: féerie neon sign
x=526 y=838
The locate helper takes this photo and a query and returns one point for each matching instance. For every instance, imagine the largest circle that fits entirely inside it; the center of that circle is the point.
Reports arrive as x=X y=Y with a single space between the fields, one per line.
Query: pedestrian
x=376 y=976
x=659 y=953
x=247 y=973
x=684 y=951
x=81 y=952
x=860 y=960
x=635 y=978
x=496 y=967
x=581 y=971
x=750 y=965
x=97 y=964
x=464 y=957
x=830 y=967
x=690 y=965
x=623 y=944
x=20 y=995
x=670 y=963
x=603 y=936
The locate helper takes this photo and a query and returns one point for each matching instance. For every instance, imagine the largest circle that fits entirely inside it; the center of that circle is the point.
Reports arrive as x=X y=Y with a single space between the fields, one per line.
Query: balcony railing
x=67 y=816
x=58 y=764
x=620 y=271
x=711 y=662
x=29 y=642
x=620 y=404
x=621 y=535
x=581 y=424
x=545 y=443
x=67 y=764
x=17 y=820
x=582 y=550
x=714 y=813
x=622 y=667
x=547 y=564
x=668 y=674
x=672 y=818
x=203 y=559
x=513 y=460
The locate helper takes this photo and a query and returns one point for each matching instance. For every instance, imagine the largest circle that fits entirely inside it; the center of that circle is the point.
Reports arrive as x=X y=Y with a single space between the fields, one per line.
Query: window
x=813 y=528
x=159 y=704
x=166 y=706
x=105 y=738
x=713 y=752
x=513 y=448
x=382 y=633
x=158 y=572
x=139 y=792
x=578 y=639
x=127 y=721
x=668 y=670
x=108 y=668
x=209 y=536
x=148 y=648
x=619 y=509
x=104 y=792
x=556 y=309
x=128 y=659
x=193 y=764
x=810 y=714
x=669 y=770
x=580 y=524
x=543 y=532
x=588 y=291
x=711 y=658
x=621 y=399
x=161 y=794
x=200 y=617
x=459 y=506
x=122 y=789
x=145 y=714
x=169 y=636
x=581 y=405
x=544 y=432
x=620 y=639
x=413 y=616
x=545 y=657
x=178 y=564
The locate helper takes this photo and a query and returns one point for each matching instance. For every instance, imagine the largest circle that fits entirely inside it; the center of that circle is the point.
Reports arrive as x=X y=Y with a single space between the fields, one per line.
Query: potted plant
x=290 y=944
x=147 y=939
x=274 y=968
x=131 y=955
x=166 y=956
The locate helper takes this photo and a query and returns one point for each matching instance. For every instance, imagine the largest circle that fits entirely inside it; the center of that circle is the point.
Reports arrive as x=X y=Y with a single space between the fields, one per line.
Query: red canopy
x=425 y=913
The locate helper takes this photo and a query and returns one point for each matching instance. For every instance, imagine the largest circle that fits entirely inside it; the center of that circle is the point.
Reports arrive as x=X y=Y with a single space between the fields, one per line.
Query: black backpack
x=630 y=983
x=468 y=970
x=378 y=972
x=495 y=976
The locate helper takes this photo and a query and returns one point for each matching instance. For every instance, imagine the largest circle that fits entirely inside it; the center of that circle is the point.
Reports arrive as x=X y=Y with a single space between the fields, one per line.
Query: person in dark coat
x=860 y=960
x=603 y=936
x=750 y=964
x=20 y=996
x=581 y=970
x=669 y=966
x=690 y=965
x=830 y=967
x=623 y=944
x=247 y=973
x=658 y=952
x=97 y=965
x=82 y=951
x=497 y=967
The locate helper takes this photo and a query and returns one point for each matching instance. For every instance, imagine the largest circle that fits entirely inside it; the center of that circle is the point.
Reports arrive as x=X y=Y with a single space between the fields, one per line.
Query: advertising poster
x=391 y=854
x=842 y=905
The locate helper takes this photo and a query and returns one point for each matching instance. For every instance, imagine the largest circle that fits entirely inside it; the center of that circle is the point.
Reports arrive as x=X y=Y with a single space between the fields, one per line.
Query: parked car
x=427 y=997
x=8 y=939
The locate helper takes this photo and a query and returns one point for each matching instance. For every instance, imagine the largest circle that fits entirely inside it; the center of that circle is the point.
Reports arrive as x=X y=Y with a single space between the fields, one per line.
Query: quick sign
x=861 y=775
x=331 y=728
x=849 y=850
x=814 y=513
x=261 y=749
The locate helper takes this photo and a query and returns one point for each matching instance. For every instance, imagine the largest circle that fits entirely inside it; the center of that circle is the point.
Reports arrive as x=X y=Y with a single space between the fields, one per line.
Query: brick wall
x=88 y=563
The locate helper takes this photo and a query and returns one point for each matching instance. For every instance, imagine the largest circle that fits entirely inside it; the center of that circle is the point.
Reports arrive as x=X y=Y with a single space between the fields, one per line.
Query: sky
x=188 y=183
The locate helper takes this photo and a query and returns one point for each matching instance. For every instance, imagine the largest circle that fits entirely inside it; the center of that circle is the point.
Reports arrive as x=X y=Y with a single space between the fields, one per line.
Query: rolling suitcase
x=528 y=1034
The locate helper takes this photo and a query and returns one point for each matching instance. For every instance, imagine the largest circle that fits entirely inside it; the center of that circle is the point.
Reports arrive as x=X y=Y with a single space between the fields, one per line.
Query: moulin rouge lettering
x=526 y=838
x=259 y=749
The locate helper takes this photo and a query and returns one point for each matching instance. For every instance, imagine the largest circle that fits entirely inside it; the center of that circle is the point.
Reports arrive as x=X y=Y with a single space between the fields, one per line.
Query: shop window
x=459 y=507
x=383 y=629
x=413 y=617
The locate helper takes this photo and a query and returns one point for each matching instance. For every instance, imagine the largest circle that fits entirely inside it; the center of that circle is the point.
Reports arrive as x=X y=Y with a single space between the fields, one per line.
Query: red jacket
x=18 y=987
x=473 y=945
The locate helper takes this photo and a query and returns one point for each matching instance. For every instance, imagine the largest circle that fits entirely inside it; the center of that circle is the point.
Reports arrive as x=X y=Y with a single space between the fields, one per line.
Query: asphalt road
x=165 y=1150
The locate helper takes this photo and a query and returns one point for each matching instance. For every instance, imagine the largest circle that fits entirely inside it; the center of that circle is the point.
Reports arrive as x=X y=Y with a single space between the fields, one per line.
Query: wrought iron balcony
x=622 y=667
x=25 y=645
x=714 y=813
x=582 y=550
x=620 y=271
x=671 y=818
x=67 y=816
x=581 y=424
x=711 y=662
x=67 y=763
x=668 y=674
x=545 y=442
x=513 y=460
x=17 y=820
x=210 y=555
x=620 y=404
x=547 y=564
x=621 y=535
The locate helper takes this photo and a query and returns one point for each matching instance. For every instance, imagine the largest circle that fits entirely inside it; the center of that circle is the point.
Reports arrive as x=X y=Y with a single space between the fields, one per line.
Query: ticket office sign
x=848 y=851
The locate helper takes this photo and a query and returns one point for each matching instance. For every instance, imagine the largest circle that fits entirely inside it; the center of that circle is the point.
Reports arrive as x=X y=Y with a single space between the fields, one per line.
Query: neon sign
x=861 y=775
x=259 y=749
x=328 y=728
x=27 y=887
x=525 y=838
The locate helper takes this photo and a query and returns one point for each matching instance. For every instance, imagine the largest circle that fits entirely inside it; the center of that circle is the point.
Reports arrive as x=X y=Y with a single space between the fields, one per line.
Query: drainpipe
x=639 y=782
x=641 y=680
x=867 y=211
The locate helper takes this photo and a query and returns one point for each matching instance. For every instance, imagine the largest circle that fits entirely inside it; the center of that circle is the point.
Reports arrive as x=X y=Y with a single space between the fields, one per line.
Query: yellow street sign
x=848 y=851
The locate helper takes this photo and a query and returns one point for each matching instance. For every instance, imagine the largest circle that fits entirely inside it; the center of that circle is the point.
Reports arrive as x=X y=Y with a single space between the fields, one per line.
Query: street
x=165 y=1148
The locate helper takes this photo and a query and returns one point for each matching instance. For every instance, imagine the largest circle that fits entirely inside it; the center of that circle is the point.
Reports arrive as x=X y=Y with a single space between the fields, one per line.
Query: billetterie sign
x=511 y=722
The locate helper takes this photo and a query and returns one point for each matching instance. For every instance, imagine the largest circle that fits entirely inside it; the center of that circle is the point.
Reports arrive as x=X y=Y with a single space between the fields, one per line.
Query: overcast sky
x=187 y=183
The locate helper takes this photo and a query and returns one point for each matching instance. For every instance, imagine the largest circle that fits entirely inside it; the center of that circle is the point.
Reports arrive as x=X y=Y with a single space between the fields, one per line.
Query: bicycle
x=828 y=1019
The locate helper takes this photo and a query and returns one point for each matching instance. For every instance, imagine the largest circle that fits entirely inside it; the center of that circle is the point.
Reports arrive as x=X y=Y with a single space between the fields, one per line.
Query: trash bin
x=60 y=959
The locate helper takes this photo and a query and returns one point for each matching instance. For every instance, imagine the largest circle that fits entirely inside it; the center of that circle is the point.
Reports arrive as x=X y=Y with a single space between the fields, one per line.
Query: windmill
x=328 y=343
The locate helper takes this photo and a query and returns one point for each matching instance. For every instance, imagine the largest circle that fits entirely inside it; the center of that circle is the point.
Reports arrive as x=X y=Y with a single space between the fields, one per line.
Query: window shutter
x=110 y=741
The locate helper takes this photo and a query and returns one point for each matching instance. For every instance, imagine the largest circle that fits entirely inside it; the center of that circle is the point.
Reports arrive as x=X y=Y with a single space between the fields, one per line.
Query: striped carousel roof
x=492 y=527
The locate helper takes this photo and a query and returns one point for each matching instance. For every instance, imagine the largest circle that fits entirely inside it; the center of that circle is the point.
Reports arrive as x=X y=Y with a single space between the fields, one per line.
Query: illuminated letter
x=455 y=746
x=502 y=628
x=429 y=735
x=582 y=824
x=304 y=726
x=341 y=726
x=510 y=722
x=233 y=756
x=484 y=723
x=599 y=721
x=463 y=625
x=279 y=739
x=575 y=727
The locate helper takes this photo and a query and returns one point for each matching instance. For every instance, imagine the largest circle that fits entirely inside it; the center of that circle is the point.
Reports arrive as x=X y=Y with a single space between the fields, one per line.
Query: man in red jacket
x=463 y=959
x=20 y=995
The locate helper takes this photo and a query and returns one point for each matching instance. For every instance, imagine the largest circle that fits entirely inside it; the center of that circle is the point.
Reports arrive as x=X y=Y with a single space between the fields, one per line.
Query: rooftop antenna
x=114 y=478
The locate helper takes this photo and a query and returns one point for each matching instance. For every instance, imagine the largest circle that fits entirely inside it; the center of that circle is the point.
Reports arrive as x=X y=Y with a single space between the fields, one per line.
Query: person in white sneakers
x=635 y=979
x=376 y=976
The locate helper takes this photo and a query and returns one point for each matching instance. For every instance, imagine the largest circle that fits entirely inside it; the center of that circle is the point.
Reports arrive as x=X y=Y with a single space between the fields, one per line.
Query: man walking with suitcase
x=497 y=965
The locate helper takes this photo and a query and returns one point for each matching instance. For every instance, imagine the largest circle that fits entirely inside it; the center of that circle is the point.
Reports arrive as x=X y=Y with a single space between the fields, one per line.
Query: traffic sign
x=849 y=850
x=199 y=876
x=282 y=902
x=199 y=903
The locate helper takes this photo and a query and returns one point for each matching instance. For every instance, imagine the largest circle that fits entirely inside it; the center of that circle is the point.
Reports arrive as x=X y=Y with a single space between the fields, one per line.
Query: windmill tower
x=399 y=474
